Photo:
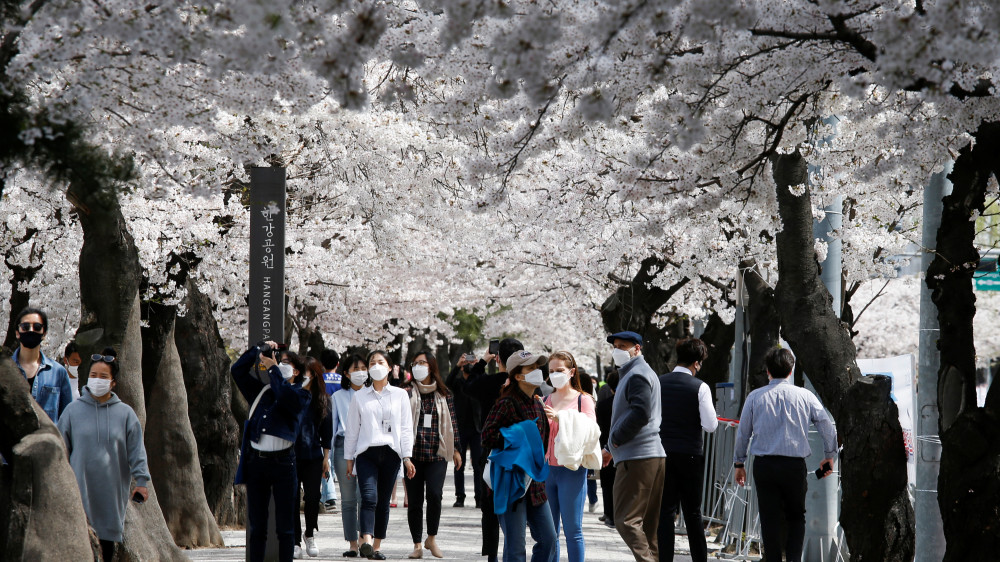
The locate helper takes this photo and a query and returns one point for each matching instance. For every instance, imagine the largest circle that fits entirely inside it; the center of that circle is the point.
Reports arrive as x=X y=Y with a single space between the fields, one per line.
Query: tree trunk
x=205 y=365
x=110 y=277
x=764 y=323
x=41 y=512
x=633 y=307
x=969 y=480
x=19 y=298
x=175 y=466
x=719 y=338
x=876 y=513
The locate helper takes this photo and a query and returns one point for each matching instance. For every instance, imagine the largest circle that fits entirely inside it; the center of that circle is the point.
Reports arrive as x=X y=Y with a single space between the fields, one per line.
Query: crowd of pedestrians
x=536 y=430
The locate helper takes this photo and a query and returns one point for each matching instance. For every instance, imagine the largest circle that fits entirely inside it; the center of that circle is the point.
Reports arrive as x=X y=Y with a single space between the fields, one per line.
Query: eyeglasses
x=104 y=358
x=31 y=326
x=415 y=363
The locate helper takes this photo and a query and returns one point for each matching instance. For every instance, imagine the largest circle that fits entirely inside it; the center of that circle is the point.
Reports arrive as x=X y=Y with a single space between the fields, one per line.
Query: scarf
x=446 y=433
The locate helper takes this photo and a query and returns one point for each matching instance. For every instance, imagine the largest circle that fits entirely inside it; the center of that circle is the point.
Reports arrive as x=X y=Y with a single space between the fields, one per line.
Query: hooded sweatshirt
x=104 y=442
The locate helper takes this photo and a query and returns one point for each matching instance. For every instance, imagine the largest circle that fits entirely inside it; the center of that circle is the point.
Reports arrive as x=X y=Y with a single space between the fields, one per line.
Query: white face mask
x=421 y=372
x=305 y=381
x=558 y=379
x=358 y=378
x=99 y=387
x=74 y=370
x=287 y=371
x=534 y=378
x=620 y=357
x=378 y=372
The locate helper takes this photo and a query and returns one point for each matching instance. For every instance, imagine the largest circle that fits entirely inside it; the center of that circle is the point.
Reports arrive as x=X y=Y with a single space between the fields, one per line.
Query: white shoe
x=311 y=549
x=297 y=554
x=593 y=507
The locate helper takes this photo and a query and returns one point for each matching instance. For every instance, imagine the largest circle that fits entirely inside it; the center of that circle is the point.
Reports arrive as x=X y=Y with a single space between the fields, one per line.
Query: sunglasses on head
x=31 y=326
x=104 y=358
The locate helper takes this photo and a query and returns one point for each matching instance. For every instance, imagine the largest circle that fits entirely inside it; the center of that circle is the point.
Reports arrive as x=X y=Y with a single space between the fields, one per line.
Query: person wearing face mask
x=104 y=443
x=72 y=361
x=354 y=379
x=566 y=486
x=518 y=403
x=267 y=455
x=435 y=442
x=50 y=385
x=378 y=434
x=312 y=451
x=634 y=444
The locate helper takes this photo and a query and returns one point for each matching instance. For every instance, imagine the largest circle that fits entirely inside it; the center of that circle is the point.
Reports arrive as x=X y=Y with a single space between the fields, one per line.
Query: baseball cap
x=520 y=358
x=628 y=336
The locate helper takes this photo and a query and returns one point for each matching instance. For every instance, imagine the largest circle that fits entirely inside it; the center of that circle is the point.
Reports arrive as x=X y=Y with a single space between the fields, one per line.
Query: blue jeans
x=264 y=476
x=539 y=520
x=328 y=489
x=377 y=469
x=592 y=491
x=567 y=492
x=349 y=491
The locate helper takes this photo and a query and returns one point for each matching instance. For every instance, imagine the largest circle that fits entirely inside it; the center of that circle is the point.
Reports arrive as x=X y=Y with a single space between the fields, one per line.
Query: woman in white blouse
x=378 y=435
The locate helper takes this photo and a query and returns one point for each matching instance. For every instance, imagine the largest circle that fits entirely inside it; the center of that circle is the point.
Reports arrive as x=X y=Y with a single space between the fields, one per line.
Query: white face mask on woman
x=99 y=387
x=378 y=372
x=534 y=378
x=358 y=378
x=421 y=372
x=558 y=379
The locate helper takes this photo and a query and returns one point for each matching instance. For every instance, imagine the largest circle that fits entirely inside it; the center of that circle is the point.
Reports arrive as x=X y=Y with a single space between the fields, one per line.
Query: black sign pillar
x=267 y=283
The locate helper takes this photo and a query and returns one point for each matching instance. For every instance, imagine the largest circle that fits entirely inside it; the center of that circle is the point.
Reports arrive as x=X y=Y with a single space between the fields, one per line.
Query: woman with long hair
x=355 y=377
x=104 y=441
x=379 y=434
x=566 y=487
x=435 y=443
x=312 y=451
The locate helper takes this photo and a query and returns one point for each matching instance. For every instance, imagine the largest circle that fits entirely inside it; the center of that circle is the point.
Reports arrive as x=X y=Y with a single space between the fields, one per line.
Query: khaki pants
x=638 y=493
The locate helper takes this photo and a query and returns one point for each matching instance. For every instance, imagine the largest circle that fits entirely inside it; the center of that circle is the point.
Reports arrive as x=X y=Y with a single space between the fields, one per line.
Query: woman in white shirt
x=378 y=435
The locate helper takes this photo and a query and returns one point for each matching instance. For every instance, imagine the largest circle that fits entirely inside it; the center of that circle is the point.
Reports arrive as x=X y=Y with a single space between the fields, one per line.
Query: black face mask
x=31 y=340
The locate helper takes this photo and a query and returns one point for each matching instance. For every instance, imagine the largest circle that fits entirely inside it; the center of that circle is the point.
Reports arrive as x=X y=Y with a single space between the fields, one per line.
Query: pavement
x=460 y=536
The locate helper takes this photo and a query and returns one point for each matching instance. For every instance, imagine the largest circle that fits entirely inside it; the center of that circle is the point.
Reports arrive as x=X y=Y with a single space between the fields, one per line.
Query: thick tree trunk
x=19 y=298
x=969 y=481
x=176 y=465
x=110 y=277
x=41 y=513
x=205 y=365
x=633 y=307
x=876 y=513
x=719 y=338
x=764 y=324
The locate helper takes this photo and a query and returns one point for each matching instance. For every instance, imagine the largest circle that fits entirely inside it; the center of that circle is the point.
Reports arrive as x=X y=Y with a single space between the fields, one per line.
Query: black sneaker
x=460 y=502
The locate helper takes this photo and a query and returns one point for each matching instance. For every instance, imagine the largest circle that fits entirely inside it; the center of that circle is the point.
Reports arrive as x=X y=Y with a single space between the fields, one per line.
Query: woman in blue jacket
x=312 y=452
x=267 y=456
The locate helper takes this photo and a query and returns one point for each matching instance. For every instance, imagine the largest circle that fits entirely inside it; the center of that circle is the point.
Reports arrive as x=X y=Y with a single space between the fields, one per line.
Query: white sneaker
x=298 y=553
x=311 y=549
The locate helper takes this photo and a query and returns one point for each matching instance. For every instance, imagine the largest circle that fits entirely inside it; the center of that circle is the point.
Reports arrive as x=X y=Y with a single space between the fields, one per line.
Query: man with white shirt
x=687 y=409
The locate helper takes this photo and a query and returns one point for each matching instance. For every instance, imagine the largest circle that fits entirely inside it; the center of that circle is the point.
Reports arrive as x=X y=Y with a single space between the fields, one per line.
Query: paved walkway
x=460 y=537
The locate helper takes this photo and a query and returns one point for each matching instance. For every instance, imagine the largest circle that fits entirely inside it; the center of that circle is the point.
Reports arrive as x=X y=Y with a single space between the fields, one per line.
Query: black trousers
x=608 y=491
x=430 y=477
x=682 y=486
x=469 y=441
x=781 y=497
x=310 y=474
x=107 y=550
x=490 y=524
x=267 y=477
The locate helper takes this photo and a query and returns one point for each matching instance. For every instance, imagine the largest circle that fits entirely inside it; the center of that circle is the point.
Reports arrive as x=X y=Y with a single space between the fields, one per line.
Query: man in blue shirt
x=778 y=416
x=48 y=379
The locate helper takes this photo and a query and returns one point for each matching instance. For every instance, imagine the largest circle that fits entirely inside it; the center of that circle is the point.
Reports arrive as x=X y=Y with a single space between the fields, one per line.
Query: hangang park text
x=496 y=281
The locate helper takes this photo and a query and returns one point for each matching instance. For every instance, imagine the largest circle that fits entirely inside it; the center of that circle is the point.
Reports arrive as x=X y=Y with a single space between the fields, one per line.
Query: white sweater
x=578 y=441
x=365 y=422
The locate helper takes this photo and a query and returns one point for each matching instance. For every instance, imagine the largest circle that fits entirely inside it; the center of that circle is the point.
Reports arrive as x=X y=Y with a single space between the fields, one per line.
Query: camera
x=267 y=350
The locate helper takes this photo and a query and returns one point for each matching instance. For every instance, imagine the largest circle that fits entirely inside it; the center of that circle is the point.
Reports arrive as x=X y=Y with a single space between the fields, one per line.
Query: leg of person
x=767 y=484
x=313 y=478
x=349 y=494
x=543 y=531
x=692 y=477
x=490 y=526
x=436 y=472
x=608 y=491
x=107 y=550
x=475 y=457
x=367 y=467
x=572 y=499
x=258 y=499
x=651 y=519
x=463 y=444
x=300 y=473
x=552 y=486
x=285 y=484
x=794 y=499
x=668 y=506
x=513 y=523
x=592 y=493
x=388 y=469
x=415 y=512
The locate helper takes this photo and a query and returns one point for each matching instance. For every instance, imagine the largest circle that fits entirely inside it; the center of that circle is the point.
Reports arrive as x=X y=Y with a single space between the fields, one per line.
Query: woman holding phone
x=379 y=434
x=104 y=442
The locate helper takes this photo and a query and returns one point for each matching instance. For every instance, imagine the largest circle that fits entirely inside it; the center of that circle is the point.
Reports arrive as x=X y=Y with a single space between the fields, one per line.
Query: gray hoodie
x=104 y=442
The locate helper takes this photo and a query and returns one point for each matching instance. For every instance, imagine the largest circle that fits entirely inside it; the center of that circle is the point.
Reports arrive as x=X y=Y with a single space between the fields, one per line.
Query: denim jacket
x=50 y=387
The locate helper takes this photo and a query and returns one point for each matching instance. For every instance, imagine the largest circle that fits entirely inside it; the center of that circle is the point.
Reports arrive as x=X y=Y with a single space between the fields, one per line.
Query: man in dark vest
x=688 y=409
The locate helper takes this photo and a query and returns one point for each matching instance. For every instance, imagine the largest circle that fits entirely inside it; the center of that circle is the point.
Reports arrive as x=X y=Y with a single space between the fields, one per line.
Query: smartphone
x=137 y=497
x=494 y=347
x=471 y=357
x=822 y=468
